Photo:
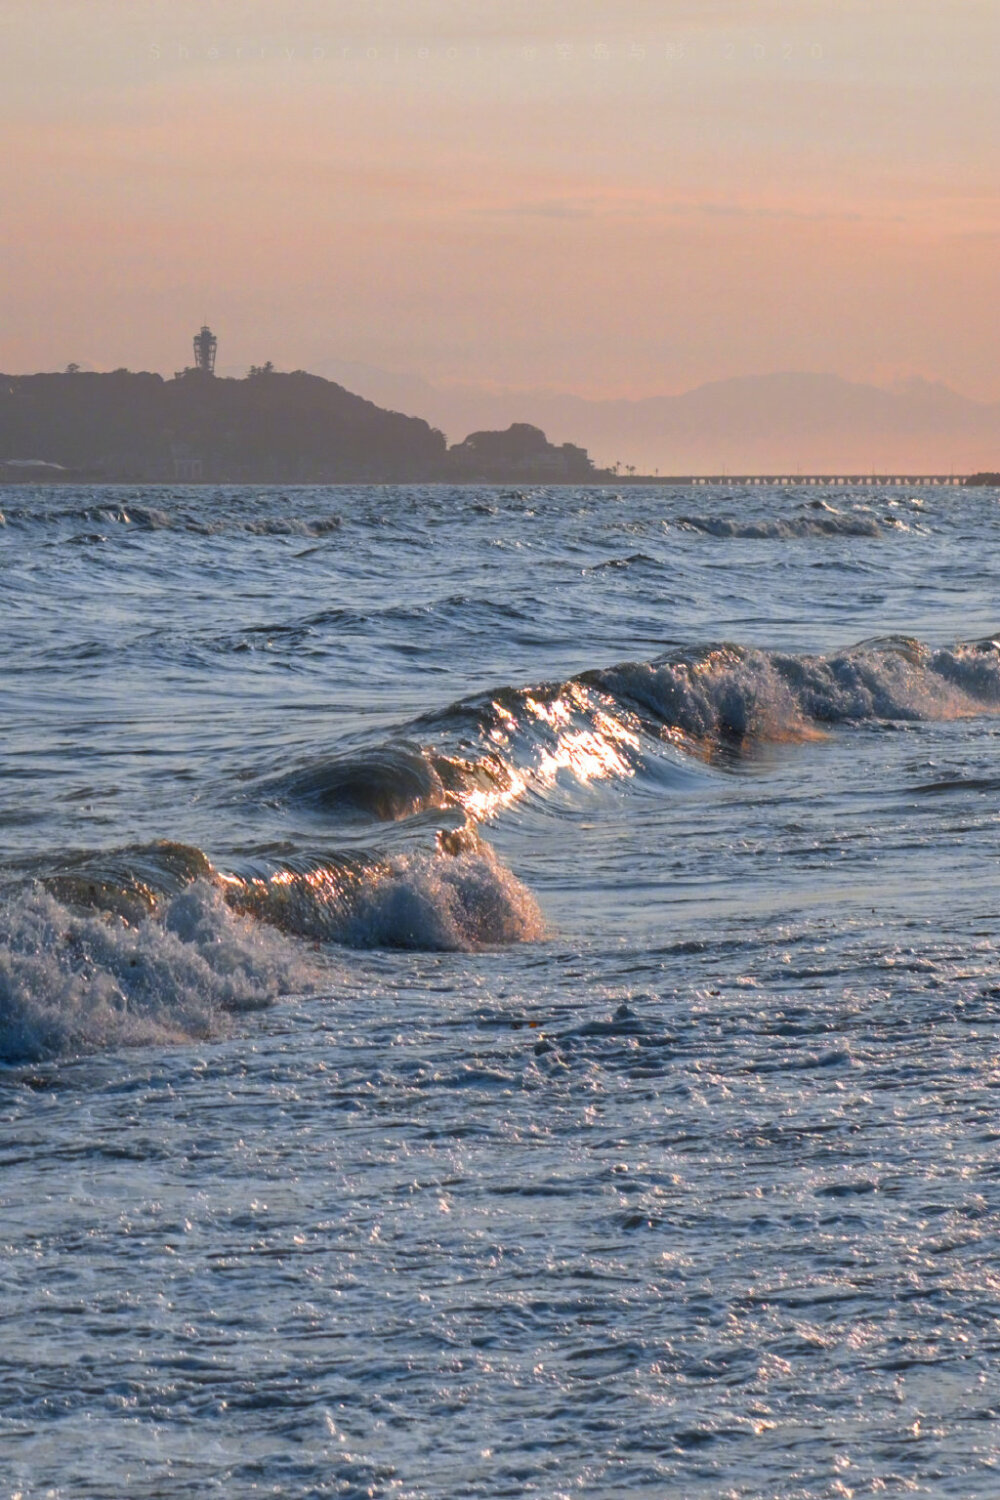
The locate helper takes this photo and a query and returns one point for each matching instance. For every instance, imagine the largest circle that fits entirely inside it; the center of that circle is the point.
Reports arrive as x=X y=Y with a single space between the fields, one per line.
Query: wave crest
x=108 y=956
x=825 y=522
x=446 y=902
x=482 y=754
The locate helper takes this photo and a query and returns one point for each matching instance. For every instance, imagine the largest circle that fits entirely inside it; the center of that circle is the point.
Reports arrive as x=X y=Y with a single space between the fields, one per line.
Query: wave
x=74 y=981
x=398 y=780
x=154 y=942
x=646 y=720
x=153 y=945
x=459 y=899
x=457 y=896
x=307 y=526
x=736 y=695
x=634 y=559
x=825 y=521
x=139 y=515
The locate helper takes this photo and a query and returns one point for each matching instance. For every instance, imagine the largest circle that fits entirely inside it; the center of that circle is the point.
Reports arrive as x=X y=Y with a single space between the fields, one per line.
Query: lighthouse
x=205 y=344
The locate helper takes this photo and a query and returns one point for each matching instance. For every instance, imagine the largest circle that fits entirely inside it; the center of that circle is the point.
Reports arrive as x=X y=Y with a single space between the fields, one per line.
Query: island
x=267 y=428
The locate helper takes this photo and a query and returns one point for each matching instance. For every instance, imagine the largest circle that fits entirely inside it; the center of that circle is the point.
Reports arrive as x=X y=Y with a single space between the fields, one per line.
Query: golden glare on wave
x=599 y=750
x=590 y=754
x=290 y=899
x=483 y=803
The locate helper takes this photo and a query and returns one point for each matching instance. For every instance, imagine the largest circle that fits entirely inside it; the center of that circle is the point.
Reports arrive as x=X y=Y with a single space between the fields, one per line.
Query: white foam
x=72 y=983
x=726 y=692
x=733 y=691
x=459 y=902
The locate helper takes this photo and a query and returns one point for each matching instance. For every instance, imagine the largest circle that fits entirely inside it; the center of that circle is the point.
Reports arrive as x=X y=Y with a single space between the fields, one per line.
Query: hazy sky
x=625 y=197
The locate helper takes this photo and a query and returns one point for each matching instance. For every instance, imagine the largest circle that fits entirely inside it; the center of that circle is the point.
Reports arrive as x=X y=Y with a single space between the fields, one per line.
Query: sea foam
x=73 y=982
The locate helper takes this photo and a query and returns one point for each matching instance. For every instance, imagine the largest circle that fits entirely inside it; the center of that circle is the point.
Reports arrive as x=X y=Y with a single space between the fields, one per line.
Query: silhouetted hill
x=522 y=452
x=270 y=427
x=301 y=428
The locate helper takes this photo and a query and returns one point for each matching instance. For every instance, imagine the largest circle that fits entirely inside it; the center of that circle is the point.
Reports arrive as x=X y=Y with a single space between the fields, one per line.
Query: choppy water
x=499 y=993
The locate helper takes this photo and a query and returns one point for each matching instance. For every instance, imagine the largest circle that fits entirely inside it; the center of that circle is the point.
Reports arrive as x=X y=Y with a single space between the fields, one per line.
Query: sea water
x=499 y=992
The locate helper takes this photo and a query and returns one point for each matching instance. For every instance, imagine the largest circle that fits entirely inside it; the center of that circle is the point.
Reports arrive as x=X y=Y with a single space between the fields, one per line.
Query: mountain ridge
x=808 y=421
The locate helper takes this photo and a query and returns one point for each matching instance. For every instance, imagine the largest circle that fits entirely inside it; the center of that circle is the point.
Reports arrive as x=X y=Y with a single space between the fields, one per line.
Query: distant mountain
x=788 y=421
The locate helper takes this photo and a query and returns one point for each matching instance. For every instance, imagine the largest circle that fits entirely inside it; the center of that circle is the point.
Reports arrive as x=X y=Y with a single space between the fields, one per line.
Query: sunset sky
x=611 y=199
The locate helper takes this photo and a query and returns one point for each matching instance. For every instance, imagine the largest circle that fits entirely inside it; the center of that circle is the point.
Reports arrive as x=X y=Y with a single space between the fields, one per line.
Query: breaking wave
x=73 y=980
x=459 y=899
x=154 y=945
x=737 y=694
x=650 y=720
x=155 y=942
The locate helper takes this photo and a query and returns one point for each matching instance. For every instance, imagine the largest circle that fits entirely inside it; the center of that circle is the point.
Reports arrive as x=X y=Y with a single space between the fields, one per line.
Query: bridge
x=874 y=481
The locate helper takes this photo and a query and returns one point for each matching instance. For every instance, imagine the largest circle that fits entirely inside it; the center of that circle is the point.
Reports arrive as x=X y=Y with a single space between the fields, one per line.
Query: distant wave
x=821 y=521
x=142 y=516
x=616 y=563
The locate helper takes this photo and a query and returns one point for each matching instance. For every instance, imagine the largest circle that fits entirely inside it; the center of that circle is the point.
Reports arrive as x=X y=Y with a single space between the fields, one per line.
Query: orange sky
x=530 y=194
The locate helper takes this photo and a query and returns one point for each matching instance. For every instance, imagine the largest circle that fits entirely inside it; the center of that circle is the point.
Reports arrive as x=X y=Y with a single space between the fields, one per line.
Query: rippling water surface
x=499 y=992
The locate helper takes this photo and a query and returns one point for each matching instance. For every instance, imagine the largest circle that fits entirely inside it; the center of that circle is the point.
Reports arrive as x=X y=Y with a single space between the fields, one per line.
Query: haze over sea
x=499 y=992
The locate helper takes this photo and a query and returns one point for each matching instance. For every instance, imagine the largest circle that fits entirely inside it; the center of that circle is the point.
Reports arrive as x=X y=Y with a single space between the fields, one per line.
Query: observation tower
x=205 y=344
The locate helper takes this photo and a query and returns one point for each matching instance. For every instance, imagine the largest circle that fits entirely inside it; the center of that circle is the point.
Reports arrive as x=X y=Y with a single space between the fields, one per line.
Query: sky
x=620 y=199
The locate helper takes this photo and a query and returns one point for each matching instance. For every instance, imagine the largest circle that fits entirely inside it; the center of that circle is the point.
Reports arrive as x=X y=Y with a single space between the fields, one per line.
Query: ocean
x=499 y=992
